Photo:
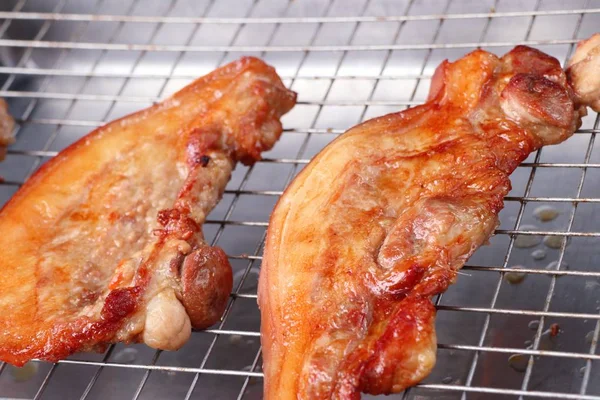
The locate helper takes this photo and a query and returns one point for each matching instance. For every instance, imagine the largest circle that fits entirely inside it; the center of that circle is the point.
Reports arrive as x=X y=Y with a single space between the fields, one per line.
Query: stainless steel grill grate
x=68 y=66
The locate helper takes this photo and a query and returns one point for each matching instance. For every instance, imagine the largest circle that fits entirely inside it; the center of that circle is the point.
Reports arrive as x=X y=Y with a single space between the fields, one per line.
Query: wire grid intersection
x=70 y=66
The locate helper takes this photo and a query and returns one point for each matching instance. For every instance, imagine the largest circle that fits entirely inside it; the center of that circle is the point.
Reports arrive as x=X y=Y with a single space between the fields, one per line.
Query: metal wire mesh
x=68 y=66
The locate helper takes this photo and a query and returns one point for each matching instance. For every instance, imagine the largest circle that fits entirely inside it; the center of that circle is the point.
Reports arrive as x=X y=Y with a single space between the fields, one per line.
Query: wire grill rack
x=68 y=66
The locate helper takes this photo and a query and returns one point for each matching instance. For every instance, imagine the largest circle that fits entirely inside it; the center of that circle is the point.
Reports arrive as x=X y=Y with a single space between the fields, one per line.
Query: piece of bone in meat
x=383 y=218
x=104 y=243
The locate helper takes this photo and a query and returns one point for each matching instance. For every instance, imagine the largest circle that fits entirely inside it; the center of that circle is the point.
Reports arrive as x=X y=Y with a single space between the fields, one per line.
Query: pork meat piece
x=104 y=243
x=385 y=216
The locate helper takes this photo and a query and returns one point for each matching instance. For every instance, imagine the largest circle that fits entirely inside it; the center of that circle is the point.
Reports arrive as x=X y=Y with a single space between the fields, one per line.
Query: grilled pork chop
x=104 y=243
x=384 y=217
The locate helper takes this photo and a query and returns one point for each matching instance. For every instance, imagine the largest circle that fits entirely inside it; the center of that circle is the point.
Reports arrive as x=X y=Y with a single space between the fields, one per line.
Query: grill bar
x=71 y=73
x=283 y=20
x=96 y=375
x=508 y=392
x=511 y=244
x=139 y=99
x=153 y=367
x=46 y=153
x=588 y=365
x=594 y=343
x=252 y=369
x=90 y=123
x=563 y=247
x=41 y=44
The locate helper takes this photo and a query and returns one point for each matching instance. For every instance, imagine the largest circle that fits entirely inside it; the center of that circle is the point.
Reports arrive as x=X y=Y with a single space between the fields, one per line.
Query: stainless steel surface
x=71 y=65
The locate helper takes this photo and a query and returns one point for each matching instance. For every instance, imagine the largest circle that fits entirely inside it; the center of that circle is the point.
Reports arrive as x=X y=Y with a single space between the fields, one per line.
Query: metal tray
x=70 y=65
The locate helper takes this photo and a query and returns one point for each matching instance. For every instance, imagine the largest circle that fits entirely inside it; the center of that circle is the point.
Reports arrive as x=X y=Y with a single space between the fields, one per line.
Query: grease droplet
x=126 y=356
x=589 y=338
x=592 y=285
x=545 y=213
x=513 y=277
x=518 y=362
x=447 y=380
x=534 y=324
x=235 y=338
x=526 y=241
x=553 y=266
x=251 y=280
x=554 y=242
x=538 y=254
